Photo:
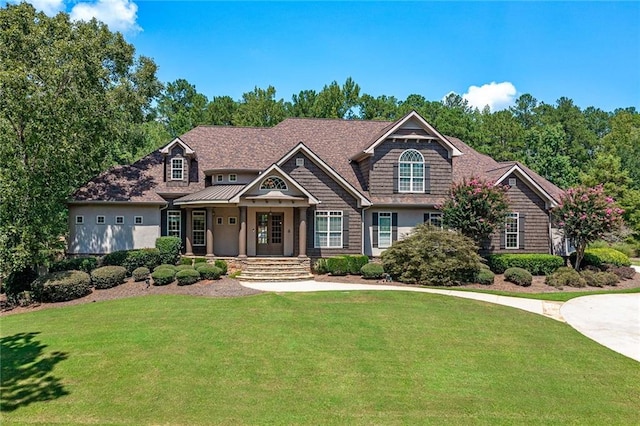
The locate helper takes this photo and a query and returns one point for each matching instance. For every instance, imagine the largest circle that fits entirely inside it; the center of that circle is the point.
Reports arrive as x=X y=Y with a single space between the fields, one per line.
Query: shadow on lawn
x=26 y=372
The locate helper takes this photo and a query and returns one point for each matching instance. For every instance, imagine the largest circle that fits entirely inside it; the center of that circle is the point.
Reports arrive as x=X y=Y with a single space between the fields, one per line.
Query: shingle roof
x=224 y=147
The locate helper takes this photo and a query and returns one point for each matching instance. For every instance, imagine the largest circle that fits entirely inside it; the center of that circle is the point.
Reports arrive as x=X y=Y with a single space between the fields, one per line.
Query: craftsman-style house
x=304 y=188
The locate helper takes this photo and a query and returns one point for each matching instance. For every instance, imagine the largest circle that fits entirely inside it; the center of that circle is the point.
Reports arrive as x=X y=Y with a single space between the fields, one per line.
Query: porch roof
x=214 y=193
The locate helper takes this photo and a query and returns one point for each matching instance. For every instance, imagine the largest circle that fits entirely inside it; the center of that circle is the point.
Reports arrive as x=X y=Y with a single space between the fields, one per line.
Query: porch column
x=242 y=236
x=302 y=232
x=188 y=248
x=209 y=222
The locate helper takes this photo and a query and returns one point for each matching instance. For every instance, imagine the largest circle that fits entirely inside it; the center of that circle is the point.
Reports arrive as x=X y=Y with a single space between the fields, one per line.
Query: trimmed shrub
x=372 y=271
x=209 y=272
x=536 y=264
x=607 y=278
x=320 y=266
x=623 y=272
x=485 y=266
x=338 y=265
x=149 y=257
x=432 y=256
x=141 y=273
x=108 y=276
x=186 y=261
x=565 y=276
x=169 y=249
x=18 y=281
x=598 y=257
x=625 y=248
x=116 y=258
x=222 y=265
x=187 y=276
x=85 y=264
x=184 y=267
x=518 y=276
x=165 y=266
x=199 y=260
x=163 y=276
x=485 y=277
x=355 y=263
x=61 y=286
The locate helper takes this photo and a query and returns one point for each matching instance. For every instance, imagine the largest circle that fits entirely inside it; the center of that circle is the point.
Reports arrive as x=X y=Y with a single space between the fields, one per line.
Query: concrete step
x=306 y=277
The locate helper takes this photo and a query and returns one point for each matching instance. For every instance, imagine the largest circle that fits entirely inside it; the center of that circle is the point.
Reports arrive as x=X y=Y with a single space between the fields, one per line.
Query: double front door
x=270 y=234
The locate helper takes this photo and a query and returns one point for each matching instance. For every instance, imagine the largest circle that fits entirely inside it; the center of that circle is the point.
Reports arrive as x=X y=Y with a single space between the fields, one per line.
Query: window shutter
x=503 y=239
x=374 y=230
x=345 y=229
x=394 y=227
x=425 y=218
x=395 y=178
x=427 y=179
x=521 y=231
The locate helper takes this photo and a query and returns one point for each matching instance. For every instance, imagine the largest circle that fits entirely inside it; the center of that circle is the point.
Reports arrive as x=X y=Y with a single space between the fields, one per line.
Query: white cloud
x=497 y=95
x=49 y=7
x=119 y=15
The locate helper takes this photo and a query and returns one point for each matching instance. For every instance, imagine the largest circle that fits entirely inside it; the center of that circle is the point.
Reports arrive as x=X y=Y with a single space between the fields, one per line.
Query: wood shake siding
x=363 y=167
x=381 y=173
x=526 y=202
x=333 y=197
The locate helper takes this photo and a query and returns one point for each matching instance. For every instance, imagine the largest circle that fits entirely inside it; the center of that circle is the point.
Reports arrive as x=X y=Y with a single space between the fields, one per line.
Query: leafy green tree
x=476 y=208
x=544 y=154
x=302 y=104
x=220 y=111
x=501 y=135
x=334 y=101
x=624 y=141
x=380 y=108
x=586 y=215
x=259 y=108
x=181 y=107
x=524 y=111
x=71 y=96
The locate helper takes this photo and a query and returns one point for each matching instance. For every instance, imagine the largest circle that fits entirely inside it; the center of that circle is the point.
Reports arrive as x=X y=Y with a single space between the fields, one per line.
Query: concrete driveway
x=613 y=320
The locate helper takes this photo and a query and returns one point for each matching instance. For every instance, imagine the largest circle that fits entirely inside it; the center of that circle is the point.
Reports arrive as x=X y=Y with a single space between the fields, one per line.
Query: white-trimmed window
x=328 y=229
x=512 y=182
x=198 y=227
x=100 y=220
x=219 y=178
x=233 y=220
x=79 y=220
x=219 y=220
x=177 y=168
x=511 y=231
x=300 y=162
x=174 y=223
x=137 y=220
x=233 y=178
x=384 y=229
x=435 y=219
x=411 y=171
x=119 y=220
x=273 y=182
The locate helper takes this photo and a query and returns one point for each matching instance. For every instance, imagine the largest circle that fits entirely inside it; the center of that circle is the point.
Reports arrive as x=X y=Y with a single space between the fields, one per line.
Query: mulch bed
x=229 y=287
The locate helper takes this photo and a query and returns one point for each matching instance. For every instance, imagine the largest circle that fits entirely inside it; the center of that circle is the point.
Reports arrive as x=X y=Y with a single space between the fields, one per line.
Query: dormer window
x=273 y=182
x=411 y=171
x=177 y=169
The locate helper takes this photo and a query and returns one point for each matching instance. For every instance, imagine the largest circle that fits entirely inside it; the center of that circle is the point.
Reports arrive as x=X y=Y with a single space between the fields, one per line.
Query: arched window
x=273 y=182
x=411 y=171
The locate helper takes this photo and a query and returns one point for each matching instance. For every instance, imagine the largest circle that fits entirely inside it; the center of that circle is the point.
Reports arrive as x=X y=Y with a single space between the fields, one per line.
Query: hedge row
x=536 y=264
x=599 y=257
x=85 y=264
x=61 y=286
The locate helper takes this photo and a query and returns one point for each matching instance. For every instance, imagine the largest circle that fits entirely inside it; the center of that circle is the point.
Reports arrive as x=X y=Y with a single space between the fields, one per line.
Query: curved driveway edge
x=613 y=320
x=541 y=307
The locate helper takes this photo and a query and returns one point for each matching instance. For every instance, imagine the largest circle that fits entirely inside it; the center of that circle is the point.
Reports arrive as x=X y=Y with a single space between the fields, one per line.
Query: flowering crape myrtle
x=476 y=208
x=586 y=215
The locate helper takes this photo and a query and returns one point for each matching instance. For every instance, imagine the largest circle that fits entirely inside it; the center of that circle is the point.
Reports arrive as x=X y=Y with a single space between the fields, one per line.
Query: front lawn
x=320 y=358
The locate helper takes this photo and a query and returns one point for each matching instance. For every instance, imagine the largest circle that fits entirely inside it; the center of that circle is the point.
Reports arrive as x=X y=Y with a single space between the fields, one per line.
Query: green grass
x=557 y=297
x=635 y=261
x=319 y=358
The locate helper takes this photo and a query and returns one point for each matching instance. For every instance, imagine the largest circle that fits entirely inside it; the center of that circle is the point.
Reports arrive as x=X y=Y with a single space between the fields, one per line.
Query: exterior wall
x=94 y=238
x=381 y=173
x=242 y=177
x=332 y=196
x=526 y=202
x=225 y=236
x=407 y=220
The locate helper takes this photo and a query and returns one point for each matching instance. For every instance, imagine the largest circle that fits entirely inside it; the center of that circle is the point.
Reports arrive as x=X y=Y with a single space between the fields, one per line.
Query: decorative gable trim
x=289 y=180
x=549 y=200
x=301 y=147
x=187 y=149
x=413 y=115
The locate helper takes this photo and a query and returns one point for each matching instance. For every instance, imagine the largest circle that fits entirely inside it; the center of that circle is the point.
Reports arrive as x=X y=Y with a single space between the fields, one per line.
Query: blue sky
x=587 y=51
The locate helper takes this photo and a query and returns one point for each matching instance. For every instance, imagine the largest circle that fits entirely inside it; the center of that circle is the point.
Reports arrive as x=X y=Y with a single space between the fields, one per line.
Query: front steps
x=275 y=269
